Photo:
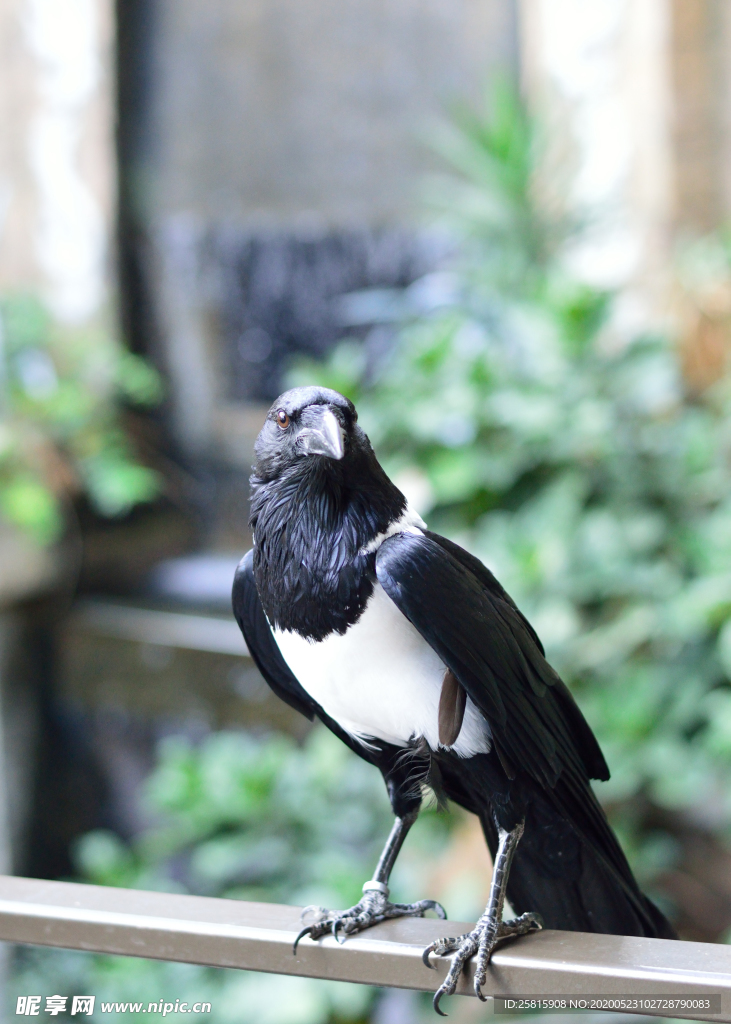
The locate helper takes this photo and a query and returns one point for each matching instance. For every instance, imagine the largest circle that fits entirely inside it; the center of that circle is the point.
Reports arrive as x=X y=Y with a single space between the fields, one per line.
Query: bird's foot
x=482 y=941
x=373 y=908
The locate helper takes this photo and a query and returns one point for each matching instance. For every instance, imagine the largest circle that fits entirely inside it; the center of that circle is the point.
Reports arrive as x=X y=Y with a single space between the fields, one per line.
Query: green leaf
x=27 y=503
x=116 y=484
x=138 y=380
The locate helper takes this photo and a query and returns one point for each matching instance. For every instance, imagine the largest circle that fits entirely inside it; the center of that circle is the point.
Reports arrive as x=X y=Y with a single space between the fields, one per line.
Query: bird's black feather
x=486 y=578
x=252 y=621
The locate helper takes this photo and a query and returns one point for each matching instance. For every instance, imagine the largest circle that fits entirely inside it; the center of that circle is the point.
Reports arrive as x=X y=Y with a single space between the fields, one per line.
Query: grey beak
x=324 y=436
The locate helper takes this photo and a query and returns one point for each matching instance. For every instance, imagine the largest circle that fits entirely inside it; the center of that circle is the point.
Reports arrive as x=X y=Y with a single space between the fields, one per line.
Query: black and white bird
x=409 y=650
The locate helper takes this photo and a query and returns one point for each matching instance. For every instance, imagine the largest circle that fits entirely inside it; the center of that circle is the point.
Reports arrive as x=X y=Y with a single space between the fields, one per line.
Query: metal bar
x=210 y=633
x=259 y=937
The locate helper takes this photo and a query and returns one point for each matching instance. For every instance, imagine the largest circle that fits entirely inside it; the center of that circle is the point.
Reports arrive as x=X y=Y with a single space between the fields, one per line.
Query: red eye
x=282 y=419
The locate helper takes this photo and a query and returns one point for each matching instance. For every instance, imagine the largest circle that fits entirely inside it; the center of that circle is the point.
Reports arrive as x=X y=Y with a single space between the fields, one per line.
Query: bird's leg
x=375 y=906
x=489 y=931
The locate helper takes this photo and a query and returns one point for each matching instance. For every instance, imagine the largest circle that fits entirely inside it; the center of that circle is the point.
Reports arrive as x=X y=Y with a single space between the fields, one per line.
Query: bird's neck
x=312 y=528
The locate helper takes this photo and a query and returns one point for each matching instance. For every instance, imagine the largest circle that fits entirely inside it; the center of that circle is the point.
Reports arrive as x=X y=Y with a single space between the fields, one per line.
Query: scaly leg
x=489 y=931
x=375 y=906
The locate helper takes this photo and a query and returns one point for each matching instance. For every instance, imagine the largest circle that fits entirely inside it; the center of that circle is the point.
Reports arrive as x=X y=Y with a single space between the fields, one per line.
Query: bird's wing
x=486 y=578
x=262 y=646
x=477 y=631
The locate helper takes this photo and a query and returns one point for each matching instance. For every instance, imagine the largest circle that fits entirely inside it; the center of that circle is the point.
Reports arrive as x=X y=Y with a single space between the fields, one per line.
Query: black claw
x=305 y=931
x=425 y=957
x=338 y=928
x=435 y=1003
x=478 y=992
x=436 y=907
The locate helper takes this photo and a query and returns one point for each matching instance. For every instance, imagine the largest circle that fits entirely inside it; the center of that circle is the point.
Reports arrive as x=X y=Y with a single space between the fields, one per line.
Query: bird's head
x=304 y=424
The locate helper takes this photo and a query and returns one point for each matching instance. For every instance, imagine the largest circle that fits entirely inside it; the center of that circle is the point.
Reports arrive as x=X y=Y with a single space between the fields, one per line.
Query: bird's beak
x=323 y=435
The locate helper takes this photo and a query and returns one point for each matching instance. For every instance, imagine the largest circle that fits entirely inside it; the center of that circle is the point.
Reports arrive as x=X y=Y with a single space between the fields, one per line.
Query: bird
x=407 y=647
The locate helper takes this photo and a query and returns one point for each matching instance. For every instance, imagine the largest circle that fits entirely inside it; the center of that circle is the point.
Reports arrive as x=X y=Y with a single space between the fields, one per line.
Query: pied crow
x=408 y=649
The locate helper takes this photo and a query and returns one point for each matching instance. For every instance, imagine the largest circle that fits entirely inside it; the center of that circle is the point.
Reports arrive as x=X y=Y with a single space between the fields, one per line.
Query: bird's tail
x=574 y=883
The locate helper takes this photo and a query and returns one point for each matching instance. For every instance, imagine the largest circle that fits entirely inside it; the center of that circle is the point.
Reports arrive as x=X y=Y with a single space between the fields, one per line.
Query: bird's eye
x=282 y=419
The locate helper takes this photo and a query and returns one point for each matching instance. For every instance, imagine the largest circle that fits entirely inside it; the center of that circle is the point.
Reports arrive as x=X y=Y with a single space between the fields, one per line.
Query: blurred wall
x=274 y=111
x=700 y=48
x=271 y=155
x=57 y=165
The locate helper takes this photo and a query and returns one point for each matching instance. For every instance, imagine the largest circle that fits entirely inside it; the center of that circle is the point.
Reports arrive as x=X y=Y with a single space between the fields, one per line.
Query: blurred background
x=499 y=226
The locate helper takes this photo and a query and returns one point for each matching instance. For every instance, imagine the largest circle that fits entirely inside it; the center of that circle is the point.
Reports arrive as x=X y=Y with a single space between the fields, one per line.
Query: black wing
x=591 y=753
x=261 y=643
x=482 y=637
x=468 y=619
x=486 y=578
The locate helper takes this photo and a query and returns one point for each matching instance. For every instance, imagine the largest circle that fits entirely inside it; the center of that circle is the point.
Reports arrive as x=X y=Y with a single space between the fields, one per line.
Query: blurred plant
x=507 y=237
x=576 y=465
x=61 y=431
x=257 y=819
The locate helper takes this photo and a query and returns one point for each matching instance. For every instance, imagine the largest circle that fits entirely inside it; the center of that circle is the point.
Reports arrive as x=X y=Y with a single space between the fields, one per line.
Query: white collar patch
x=410 y=522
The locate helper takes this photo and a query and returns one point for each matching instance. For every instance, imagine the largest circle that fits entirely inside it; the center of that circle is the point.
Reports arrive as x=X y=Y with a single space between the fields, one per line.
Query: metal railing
x=259 y=937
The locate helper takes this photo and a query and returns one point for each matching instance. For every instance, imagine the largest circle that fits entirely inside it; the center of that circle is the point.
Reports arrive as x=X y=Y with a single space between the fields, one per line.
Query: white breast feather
x=380 y=679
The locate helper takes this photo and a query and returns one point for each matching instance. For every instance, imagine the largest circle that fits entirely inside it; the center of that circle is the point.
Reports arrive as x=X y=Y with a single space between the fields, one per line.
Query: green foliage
x=255 y=819
x=507 y=237
x=573 y=463
x=61 y=432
